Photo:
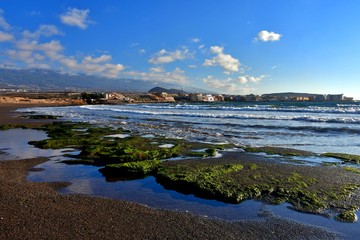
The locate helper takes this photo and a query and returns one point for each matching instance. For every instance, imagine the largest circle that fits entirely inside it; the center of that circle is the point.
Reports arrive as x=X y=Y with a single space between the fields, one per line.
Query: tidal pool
x=14 y=145
x=88 y=180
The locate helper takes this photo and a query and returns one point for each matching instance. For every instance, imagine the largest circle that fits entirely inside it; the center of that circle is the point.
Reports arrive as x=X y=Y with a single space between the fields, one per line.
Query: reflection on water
x=14 y=144
x=88 y=180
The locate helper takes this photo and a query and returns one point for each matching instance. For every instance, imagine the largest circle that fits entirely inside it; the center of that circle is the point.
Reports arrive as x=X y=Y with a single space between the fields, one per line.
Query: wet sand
x=36 y=211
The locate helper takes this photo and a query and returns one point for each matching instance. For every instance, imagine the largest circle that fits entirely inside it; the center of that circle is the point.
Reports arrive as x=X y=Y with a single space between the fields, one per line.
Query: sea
x=312 y=126
x=318 y=127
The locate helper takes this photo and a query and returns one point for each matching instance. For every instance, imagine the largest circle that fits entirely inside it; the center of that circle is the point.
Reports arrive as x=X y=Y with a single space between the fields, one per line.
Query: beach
x=37 y=211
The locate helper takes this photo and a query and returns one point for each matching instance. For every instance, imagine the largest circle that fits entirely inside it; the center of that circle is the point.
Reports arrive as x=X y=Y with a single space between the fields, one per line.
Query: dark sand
x=36 y=211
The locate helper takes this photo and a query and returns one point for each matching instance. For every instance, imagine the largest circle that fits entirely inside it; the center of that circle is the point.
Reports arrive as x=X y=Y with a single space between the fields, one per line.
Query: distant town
x=159 y=94
x=163 y=95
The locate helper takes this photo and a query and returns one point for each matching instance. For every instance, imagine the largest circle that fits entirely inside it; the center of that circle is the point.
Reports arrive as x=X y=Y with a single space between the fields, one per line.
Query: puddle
x=14 y=145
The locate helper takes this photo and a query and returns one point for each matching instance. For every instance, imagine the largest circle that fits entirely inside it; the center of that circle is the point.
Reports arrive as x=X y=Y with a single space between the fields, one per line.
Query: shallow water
x=14 y=145
x=317 y=127
x=88 y=180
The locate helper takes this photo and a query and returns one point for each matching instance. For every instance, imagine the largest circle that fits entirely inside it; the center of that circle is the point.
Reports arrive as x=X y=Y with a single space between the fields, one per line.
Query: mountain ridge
x=52 y=80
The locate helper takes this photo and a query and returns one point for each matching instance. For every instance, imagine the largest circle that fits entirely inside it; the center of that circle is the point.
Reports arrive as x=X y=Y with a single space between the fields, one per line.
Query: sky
x=228 y=46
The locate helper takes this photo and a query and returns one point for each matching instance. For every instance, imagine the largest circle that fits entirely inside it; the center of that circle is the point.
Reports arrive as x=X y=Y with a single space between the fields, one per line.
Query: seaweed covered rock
x=140 y=167
x=279 y=151
x=347 y=216
x=344 y=157
x=308 y=189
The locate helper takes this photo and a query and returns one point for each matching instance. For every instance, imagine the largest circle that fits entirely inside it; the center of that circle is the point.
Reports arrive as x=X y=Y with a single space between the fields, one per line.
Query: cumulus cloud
x=102 y=58
x=267 y=36
x=160 y=75
x=4 y=37
x=43 y=30
x=76 y=17
x=157 y=69
x=164 y=56
x=227 y=85
x=250 y=79
x=35 y=53
x=90 y=65
x=232 y=85
x=226 y=61
x=32 y=52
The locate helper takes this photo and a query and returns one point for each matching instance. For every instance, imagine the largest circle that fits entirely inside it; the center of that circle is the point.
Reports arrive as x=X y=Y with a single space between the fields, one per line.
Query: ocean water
x=318 y=127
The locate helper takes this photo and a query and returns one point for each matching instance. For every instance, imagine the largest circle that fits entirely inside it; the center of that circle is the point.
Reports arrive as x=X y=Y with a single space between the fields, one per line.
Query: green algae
x=343 y=156
x=235 y=183
x=141 y=167
x=95 y=144
x=279 y=151
x=210 y=152
x=232 y=182
x=347 y=216
x=352 y=169
x=4 y=127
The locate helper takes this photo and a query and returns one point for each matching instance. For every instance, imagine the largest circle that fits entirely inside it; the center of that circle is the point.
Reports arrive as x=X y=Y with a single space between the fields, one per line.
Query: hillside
x=161 y=89
x=50 y=80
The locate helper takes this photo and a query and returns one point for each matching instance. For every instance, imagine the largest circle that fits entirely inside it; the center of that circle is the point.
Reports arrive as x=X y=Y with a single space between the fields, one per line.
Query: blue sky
x=230 y=46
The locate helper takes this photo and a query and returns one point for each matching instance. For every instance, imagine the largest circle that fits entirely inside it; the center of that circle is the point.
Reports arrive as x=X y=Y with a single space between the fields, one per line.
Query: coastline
x=37 y=211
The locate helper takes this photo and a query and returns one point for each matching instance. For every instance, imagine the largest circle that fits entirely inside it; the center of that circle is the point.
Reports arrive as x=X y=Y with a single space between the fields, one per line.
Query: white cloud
x=3 y=24
x=43 y=30
x=226 y=61
x=195 y=40
x=102 y=58
x=160 y=75
x=164 y=56
x=232 y=85
x=42 y=55
x=90 y=65
x=267 y=36
x=25 y=56
x=76 y=17
x=5 y=37
x=226 y=86
x=250 y=79
x=157 y=69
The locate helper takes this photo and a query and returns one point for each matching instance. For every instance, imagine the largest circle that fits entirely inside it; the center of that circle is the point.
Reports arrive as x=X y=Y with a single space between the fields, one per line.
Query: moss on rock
x=141 y=167
x=347 y=216
x=343 y=156
x=235 y=182
x=279 y=151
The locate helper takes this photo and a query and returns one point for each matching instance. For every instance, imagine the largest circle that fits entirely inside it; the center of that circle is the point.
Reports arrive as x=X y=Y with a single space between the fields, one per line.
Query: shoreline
x=36 y=211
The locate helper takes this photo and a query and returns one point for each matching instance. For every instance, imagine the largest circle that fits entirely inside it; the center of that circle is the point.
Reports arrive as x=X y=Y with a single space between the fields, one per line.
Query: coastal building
x=348 y=99
x=208 y=98
x=219 y=98
x=196 y=97
x=334 y=97
x=292 y=97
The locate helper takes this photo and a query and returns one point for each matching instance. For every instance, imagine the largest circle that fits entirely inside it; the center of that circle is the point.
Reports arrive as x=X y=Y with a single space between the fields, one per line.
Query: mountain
x=161 y=89
x=51 y=80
